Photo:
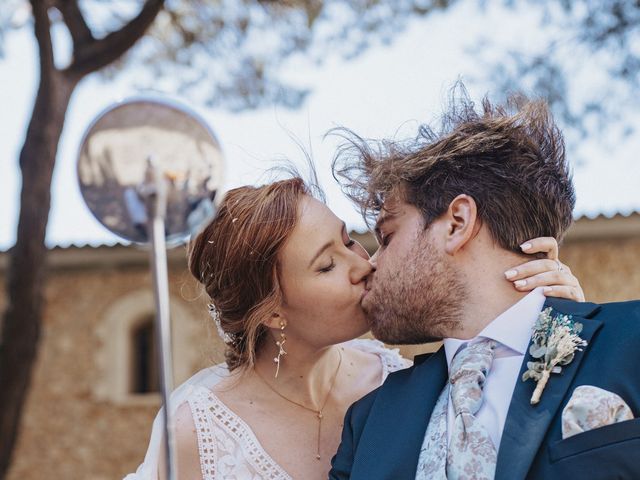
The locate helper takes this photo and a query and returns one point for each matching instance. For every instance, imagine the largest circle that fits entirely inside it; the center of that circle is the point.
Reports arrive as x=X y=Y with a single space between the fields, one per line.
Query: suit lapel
x=397 y=423
x=526 y=425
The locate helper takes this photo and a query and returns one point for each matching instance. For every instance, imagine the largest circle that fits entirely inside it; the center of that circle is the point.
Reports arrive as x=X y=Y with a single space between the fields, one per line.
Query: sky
x=386 y=92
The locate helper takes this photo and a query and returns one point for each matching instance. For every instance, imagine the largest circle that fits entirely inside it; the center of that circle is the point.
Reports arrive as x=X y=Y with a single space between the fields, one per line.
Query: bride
x=285 y=283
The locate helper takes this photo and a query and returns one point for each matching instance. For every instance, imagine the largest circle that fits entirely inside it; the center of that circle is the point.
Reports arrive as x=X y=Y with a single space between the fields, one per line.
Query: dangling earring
x=280 y=344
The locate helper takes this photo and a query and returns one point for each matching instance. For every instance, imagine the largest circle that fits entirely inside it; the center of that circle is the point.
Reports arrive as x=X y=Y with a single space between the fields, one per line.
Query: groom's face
x=414 y=294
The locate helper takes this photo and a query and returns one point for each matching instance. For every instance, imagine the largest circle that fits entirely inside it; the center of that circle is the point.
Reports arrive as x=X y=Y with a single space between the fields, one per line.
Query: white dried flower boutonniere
x=555 y=341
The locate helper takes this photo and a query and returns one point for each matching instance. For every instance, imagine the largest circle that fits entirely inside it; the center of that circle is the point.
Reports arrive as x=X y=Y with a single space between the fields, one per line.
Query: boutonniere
x=555 y=341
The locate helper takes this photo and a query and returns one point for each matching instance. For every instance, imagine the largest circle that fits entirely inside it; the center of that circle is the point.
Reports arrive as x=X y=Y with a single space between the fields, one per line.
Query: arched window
x=144 y=370
x=126 y=357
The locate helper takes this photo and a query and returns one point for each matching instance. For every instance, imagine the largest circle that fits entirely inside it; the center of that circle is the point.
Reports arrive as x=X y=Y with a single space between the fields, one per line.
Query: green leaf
x=535 y=366
x=531 y=374
x=537 y=351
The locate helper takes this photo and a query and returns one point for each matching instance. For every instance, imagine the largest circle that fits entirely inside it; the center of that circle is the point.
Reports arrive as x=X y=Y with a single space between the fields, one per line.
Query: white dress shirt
x=512 y=331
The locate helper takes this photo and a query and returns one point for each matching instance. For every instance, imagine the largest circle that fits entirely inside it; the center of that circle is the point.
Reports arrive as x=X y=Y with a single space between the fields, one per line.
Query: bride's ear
x=275 y=321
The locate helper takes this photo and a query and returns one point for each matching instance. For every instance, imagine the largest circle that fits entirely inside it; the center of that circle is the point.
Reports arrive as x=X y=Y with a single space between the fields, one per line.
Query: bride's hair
x=236 y=259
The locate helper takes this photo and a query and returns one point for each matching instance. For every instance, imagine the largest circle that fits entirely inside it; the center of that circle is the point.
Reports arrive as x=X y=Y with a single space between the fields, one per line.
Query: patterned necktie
x=471 y=452
x=432 y=462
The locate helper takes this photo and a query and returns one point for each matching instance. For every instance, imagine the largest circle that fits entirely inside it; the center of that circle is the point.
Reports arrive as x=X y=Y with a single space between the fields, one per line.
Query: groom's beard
x=417 y=303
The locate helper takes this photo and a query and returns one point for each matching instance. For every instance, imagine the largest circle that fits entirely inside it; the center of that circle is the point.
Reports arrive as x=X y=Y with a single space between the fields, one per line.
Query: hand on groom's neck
x=482 y=265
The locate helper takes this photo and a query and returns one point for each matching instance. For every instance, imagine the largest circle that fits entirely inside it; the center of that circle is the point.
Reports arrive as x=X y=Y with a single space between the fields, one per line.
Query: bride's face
x=322 y=276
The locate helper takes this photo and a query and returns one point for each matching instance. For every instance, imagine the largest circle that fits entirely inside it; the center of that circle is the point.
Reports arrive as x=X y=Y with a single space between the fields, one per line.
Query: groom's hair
x=510 y=159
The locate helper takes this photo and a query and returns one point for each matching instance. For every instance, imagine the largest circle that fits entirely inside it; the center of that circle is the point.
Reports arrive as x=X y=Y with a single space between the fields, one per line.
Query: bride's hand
x=550 y=273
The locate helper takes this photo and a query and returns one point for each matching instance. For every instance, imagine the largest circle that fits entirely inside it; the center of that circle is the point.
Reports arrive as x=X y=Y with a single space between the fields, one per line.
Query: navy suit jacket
x=383 y=431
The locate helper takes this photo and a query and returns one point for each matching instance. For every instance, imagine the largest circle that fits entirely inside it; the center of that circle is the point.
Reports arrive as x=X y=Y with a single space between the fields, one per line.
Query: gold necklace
x=319 y=413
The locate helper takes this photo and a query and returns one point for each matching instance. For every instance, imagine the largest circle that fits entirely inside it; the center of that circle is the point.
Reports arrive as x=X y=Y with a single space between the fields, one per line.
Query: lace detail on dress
x=390 y=358
x=228 y=447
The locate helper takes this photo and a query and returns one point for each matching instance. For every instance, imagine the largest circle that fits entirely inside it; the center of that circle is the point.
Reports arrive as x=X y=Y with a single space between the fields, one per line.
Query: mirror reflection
x=114 y=160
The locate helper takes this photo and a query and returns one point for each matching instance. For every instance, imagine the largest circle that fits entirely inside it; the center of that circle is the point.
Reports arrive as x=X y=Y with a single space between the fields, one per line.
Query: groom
x=451 y=212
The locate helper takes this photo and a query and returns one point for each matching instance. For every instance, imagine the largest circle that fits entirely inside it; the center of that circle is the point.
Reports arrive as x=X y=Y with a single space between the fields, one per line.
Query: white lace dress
x=228 y=447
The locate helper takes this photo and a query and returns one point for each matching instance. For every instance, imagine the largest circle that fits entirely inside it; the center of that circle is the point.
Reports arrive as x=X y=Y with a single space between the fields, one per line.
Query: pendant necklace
x=318 y=412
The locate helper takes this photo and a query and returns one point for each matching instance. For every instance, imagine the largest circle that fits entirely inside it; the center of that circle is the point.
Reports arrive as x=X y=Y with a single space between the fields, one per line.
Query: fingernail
x=525 y=246
x=520 y=283
x=510 y=273
x=547 y=289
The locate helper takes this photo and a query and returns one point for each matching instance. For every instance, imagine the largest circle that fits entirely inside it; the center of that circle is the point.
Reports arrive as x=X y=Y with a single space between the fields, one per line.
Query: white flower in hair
x=227 y=338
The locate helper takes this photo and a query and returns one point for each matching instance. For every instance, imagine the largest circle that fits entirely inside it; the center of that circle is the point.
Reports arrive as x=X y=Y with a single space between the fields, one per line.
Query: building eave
x=120 y=255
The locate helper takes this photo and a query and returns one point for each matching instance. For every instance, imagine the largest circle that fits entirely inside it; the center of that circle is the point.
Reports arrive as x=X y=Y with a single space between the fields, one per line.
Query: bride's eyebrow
x=321 y=251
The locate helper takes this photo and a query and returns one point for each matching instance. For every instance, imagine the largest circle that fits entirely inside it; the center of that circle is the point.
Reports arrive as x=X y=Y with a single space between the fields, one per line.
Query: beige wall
x=69 y=432
x=609 y=271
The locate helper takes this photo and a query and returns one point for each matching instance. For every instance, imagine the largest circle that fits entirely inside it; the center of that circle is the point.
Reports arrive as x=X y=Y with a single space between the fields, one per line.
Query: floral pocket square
x=592 y=407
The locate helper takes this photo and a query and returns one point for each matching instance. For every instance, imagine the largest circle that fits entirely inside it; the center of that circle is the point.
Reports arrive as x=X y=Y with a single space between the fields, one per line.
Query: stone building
x=92 y=401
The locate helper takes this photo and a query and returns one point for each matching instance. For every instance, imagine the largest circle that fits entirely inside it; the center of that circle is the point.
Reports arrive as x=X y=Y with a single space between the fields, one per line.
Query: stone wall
x=72 y=431
x=68 y=432
x=609 y=271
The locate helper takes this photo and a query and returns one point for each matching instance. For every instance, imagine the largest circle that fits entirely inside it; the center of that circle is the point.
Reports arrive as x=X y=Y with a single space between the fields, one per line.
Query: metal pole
x=156 y=197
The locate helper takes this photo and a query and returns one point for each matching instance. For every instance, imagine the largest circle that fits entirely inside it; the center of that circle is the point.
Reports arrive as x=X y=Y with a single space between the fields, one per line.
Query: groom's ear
x=461 y=222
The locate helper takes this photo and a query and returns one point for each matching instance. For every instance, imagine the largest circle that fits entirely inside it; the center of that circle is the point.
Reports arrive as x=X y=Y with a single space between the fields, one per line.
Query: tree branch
x=75 y=22
x=100 y=53
x=42 y=31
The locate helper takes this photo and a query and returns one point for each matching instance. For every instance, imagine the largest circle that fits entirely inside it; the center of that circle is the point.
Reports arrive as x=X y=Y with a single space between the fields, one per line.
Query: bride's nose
x=373 y=261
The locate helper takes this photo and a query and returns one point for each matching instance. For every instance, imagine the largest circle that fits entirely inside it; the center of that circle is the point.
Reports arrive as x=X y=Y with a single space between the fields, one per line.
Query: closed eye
x=328 y=268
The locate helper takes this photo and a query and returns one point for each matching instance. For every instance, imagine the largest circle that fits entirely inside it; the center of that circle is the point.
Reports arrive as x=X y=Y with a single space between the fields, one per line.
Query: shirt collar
x=512 y=328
